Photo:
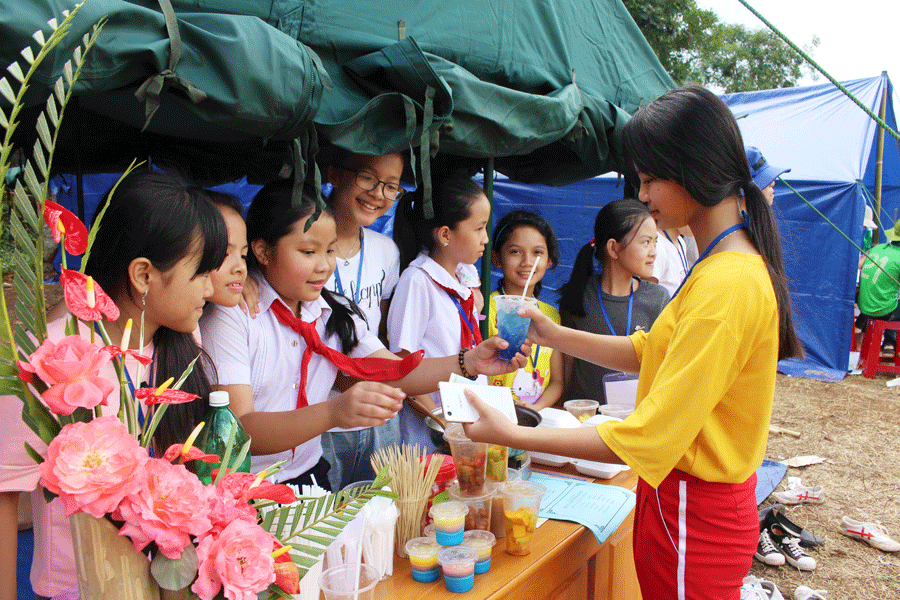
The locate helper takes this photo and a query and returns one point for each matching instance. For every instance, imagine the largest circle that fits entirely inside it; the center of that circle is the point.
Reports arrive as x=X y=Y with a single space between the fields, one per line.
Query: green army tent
x=542 y=87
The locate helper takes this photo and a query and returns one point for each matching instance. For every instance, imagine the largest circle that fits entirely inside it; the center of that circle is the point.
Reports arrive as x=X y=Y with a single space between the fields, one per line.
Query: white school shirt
x=266 y=355
x=380 y=273
x=669 y=268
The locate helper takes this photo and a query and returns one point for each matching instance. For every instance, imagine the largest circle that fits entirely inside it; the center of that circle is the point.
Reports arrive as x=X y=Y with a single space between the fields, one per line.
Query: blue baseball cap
x=763 y=171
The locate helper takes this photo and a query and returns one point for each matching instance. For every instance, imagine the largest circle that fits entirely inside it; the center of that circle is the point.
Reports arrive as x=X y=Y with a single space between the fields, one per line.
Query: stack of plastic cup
x=482 y=542
x=349 y=582
x=470 y=459
x=423 y=557
x=449 y=521
x=521 y=501
x=479 y=516
x=458 y=565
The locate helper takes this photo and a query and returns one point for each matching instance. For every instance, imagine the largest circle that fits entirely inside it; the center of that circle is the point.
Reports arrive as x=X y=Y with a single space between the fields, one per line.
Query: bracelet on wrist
x=462 y=364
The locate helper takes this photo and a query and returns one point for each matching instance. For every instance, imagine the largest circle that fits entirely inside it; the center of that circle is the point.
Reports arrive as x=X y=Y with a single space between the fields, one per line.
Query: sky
x=858 y=39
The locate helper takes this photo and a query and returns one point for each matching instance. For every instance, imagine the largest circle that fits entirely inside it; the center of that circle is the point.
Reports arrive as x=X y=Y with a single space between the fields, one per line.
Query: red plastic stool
x=870 y=354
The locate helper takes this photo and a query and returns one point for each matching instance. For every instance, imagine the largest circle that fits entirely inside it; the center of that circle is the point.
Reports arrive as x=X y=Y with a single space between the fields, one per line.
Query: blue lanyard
x=606 y=316
x=682 y=256
x=467 y=319
x=337 y=271
x=703 y=254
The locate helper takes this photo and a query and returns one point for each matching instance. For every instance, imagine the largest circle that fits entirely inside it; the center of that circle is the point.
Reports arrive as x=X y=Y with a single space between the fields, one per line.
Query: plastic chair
x=870 y=354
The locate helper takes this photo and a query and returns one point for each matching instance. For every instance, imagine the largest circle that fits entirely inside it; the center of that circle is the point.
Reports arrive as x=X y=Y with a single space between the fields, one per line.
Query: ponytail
x=571 y=294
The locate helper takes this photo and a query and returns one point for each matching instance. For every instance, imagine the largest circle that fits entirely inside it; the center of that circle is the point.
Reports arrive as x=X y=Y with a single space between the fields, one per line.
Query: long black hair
x=452 y=202
x=525 y=218
x=689 y=136
x=272 y=216
x=157 y=217
x=617 y=221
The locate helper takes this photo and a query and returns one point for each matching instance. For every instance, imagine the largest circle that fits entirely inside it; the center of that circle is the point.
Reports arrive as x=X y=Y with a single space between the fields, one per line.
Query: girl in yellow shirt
x=707 y=366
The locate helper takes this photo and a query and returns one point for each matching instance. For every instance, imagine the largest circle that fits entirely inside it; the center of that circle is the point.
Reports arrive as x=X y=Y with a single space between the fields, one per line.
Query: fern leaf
x=53 y=23
x=315 y=538
x=7 y=90
x=305 y=561
x=76 y=54
x=329 y=531
x=28 y=54
x=39 y=159
x=25 y=210
x=52 y=112
x=59 y=90
x=39 y=37
x=16 y=71
x=68 y=73
x=44 y=133
x=3 y=120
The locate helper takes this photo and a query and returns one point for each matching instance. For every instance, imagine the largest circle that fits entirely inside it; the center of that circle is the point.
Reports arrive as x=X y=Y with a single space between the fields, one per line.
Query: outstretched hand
x=367 y=404
x=485 y=358
x=542 y=327
x=492 y=425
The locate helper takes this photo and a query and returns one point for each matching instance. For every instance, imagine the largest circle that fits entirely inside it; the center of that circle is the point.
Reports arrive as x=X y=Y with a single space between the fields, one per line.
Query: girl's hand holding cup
x=485 y=358
x=367 y=404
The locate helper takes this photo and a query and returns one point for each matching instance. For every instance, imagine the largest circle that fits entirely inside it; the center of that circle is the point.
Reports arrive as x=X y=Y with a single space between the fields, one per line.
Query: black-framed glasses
x=368 y=182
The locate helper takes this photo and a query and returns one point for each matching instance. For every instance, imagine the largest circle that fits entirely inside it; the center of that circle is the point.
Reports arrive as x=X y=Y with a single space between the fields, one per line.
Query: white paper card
x=458 y=410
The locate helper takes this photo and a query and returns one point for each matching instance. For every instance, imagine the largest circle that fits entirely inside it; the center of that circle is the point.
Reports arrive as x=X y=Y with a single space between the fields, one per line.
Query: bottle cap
x=219 y=398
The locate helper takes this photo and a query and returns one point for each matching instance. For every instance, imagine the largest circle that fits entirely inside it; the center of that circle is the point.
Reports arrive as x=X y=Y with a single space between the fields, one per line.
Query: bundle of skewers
x=412 y=481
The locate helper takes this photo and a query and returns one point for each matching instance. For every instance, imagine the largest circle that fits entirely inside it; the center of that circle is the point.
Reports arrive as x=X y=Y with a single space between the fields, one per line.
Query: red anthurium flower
x=149 y=396
x=287 y=575
x=193 y=453
x=115 y=351
x=86 y=299
x=246 y=486
x=61 y=222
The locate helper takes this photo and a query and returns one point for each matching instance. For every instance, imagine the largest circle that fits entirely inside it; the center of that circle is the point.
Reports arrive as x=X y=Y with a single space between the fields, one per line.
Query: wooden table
x=565 y=562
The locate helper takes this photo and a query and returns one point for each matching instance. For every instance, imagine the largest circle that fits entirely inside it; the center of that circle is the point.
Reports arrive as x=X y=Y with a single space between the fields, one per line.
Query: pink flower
x=62 y=221
x=71 y=371
x=86 y=299
x=238 y=559
x=93 y=466
x=171 y=507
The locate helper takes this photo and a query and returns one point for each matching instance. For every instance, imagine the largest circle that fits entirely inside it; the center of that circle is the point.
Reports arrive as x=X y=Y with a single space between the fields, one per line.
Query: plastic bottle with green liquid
x=213 y=438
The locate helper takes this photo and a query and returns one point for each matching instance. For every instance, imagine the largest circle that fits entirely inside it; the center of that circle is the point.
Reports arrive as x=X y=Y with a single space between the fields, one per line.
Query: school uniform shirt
x=528 y=383
x=423 y=316
x=379 y=275
x=266 y=355
x=53 y=562
x=707 y=379
x=670 y=267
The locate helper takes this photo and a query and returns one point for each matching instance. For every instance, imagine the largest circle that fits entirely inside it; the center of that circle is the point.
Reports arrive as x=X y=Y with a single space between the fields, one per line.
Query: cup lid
x=457 y=555
x=451 y=508
x=456 y=493
x=422 y=546
x=455 y=433
x=476 y=538
x=530 y=489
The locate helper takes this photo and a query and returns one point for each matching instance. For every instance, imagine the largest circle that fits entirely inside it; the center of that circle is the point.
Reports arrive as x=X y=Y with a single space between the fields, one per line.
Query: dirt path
x=855 y=425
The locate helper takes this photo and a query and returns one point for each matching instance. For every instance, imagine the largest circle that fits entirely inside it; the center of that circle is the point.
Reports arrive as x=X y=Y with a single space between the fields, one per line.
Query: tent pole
x=879 y=160
x=486 y=257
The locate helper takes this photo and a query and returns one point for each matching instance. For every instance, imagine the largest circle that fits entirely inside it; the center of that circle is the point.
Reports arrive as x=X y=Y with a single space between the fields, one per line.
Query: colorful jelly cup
x=510 y=326
x=423 y=558
x=458 y=565
x=449 y=521
x=482 y=542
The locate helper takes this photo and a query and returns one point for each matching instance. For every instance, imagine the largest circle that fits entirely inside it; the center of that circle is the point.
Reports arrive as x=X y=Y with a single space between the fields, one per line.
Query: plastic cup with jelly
x=479 y=515
x=482 y=542
x=423 y=558
x=521 y=501
x=458 y=565
x=470 y=459
x=449 y=521
x=581 y=409
x=510 y=326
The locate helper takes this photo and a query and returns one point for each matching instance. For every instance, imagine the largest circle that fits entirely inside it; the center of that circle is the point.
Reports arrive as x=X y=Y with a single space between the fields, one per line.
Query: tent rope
x=838 y=229
x=809 y=59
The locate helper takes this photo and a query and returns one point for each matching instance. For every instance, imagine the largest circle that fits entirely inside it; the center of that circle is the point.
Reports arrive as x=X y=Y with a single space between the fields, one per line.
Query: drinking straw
x=530 y=275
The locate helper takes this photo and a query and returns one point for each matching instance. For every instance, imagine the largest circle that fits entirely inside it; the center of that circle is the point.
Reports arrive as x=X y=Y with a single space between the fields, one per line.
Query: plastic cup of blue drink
x=510 y=326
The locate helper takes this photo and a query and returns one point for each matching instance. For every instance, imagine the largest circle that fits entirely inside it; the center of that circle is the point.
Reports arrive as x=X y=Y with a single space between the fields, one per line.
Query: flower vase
x=107 y=564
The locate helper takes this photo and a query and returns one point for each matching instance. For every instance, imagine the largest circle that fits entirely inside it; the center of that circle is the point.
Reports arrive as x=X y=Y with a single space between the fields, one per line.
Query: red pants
x=694 y=539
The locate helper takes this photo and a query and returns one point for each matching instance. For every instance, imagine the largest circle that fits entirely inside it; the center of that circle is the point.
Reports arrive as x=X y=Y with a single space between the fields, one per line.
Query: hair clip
x=592 y=243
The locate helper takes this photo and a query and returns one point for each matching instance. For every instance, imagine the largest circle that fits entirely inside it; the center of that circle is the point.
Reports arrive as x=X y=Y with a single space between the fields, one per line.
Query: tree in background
x=693 y=45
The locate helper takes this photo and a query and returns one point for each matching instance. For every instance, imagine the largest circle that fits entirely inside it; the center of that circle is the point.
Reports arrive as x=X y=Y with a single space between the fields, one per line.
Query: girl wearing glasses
x=367 y=271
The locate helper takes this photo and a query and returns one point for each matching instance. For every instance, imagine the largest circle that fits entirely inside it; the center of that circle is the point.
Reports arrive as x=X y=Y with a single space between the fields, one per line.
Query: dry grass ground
x=855 y=425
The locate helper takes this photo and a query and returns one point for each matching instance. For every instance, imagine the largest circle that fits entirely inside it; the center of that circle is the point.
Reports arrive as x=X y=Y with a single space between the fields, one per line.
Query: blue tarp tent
x=830 y=145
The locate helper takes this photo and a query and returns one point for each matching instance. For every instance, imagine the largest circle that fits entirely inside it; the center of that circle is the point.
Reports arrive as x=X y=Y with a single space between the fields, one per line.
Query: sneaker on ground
x=873 y=534
x=759 y=589
x=775 y=514
x=797 y=493
x=790 y=547
x=804 y=593
x=766 y=552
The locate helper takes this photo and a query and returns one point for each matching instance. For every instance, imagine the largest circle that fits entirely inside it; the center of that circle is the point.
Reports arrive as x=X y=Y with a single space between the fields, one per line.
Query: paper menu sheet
x=600 y=508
